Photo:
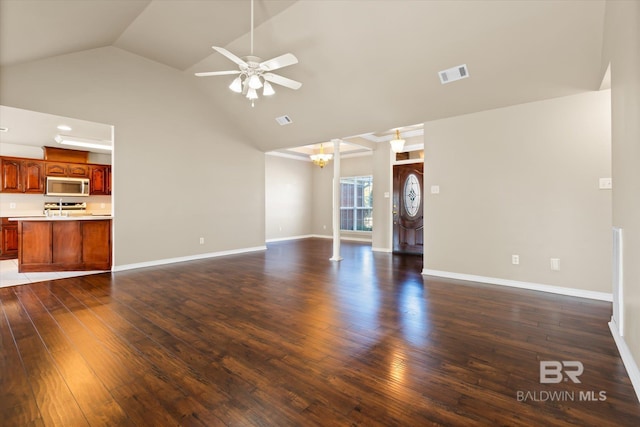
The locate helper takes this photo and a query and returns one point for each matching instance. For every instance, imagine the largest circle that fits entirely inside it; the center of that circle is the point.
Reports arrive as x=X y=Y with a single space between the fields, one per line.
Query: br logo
x=554 y=371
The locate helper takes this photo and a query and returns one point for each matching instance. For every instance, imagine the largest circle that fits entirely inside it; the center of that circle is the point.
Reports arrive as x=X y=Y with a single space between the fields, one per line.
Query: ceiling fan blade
x=279 y=62
x=230 y=55
x=282 y=81
x=217 y=73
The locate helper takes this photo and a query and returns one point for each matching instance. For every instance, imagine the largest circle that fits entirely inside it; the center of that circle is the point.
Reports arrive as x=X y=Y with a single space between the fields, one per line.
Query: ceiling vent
x=284 y=120
x=453 y=74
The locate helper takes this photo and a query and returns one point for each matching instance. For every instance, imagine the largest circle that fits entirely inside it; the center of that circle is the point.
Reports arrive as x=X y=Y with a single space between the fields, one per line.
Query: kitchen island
x=64 y=243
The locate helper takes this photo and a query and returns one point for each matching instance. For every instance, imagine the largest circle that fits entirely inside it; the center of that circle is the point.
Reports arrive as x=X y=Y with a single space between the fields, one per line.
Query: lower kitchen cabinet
x=8 y=239
x=64 y=245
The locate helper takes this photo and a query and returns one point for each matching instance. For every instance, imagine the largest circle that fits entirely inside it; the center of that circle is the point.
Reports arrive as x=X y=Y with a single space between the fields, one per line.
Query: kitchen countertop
x=62 y=218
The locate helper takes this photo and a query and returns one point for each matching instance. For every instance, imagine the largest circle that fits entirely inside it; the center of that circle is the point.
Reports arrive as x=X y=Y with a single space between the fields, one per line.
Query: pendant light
x=397 y=144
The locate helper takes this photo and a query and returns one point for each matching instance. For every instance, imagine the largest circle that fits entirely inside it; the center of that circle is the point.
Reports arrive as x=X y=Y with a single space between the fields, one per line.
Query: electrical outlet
x=12 y=205
x=202 y=240
x=605 y=184
x=515 y=259
x=555 y=264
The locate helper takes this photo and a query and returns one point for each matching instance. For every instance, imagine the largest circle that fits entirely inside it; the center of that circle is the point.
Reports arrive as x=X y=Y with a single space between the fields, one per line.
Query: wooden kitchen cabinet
x=73 y=170
x=78 y=170
x=96 y=245
x=100 y=179
x=8 y=239
x=22 y=175
x=11 y=175
x=34 y=176
x=64 y=245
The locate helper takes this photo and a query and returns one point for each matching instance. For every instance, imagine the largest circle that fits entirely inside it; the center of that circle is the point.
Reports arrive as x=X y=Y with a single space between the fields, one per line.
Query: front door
x=408 y=227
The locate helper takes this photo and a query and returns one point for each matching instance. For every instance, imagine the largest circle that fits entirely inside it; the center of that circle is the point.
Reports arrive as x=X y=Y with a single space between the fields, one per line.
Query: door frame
x=393 y=162
x=396 y=219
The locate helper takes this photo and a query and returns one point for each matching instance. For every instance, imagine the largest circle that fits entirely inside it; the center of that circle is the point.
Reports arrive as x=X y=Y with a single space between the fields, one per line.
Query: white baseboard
x=356 y=239
x=186 y=258
x=319 y=236
x=602 y=296
x=284 y=239
x=627 y=358
x=387 y=250
x=322 y=236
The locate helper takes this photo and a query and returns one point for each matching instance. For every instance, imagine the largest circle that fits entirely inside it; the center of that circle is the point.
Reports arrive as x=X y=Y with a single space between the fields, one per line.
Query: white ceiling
x=25 y=127
x=366 y=66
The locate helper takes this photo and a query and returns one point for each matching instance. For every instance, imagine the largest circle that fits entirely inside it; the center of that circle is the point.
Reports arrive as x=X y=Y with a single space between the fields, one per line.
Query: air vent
x=284 y=120
x=453 y=74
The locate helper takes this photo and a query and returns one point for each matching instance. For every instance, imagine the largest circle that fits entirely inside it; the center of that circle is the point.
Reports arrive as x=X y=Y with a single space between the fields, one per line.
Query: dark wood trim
x=286 y=337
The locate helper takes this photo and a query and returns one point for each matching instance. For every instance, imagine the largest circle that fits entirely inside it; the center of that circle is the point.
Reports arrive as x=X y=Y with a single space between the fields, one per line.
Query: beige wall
x=360 y=165
x=522 y=180
x=313 y=209
x=323 y=190
x=622 y=50
x=180 y=172
x=381 y=236
x=288 y=197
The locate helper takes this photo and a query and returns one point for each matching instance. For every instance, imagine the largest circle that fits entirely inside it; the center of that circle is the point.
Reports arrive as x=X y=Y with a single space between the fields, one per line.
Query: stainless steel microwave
x=59 y=186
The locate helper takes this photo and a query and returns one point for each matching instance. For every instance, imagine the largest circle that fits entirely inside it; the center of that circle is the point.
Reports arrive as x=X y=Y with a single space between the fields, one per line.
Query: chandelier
x=397 y=144
x=321 y=159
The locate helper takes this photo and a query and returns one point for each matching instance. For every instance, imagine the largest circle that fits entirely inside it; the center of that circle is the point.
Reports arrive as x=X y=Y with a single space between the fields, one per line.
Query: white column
x=336 y=201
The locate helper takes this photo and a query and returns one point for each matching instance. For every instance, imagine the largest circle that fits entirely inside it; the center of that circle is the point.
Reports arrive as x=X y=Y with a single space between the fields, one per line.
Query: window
x=356 y=203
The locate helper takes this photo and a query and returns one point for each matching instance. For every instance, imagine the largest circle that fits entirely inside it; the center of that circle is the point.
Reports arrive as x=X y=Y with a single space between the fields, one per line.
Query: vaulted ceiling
x=366 y=66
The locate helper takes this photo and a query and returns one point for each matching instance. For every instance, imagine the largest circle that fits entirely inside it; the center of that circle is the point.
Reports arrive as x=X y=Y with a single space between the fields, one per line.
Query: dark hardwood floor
x=288 y=338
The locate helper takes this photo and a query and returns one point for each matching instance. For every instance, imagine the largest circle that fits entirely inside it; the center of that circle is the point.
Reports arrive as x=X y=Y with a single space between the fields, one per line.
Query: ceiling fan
x=254 y=73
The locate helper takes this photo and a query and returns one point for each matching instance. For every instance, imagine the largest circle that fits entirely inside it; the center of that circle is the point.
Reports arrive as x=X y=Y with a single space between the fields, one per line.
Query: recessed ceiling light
x=64 y=127
x=3 y=129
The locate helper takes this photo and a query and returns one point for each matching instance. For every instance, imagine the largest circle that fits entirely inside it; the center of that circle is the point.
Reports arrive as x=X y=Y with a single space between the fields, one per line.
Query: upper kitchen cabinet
x=100 y=179
x=36 y=145
x=12 y=176
x=22 y=175
x=34 y=176
x=72 y=170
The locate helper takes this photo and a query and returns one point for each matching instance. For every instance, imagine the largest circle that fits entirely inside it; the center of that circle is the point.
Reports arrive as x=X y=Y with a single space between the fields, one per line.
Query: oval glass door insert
x=412 y=195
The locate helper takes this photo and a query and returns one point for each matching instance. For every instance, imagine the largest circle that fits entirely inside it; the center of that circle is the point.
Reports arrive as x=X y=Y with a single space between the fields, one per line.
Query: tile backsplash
x=12 y=204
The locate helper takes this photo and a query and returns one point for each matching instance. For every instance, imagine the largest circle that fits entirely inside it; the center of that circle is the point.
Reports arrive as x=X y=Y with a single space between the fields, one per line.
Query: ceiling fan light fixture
x=254 y=82
x=397 y=144
x=254 y=72
x=268 y=89
x=252 y=94
x=236 y=85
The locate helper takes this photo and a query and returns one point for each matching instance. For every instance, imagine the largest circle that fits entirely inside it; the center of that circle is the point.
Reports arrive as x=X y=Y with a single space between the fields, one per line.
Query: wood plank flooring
x=286 y=337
